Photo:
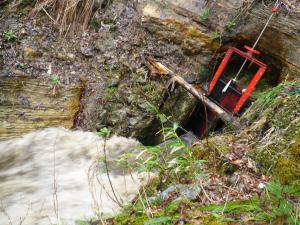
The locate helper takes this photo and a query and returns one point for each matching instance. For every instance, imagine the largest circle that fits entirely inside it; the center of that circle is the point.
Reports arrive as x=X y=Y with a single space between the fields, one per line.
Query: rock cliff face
x=27 y=104
x=188 y=36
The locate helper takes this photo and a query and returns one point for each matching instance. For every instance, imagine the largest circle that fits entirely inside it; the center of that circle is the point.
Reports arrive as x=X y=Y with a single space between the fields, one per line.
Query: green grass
x=9 y=36
x=275 y=203
x=216 y=35
x=230 y=25
x=205 y=15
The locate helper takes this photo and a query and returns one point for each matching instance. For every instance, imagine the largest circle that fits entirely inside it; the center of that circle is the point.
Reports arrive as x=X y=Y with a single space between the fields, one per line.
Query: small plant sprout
x=56 y=81
x=205 y=15
x=9 y=36
x=23 y=66
x=104 y=132
x=216 y=35
x=230 y=25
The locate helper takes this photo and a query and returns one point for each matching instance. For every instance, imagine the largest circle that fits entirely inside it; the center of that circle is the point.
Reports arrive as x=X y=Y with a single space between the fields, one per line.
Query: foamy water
x=51 y=177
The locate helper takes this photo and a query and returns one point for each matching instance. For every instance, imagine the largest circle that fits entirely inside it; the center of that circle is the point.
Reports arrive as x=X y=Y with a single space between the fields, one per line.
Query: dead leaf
x=156 y=67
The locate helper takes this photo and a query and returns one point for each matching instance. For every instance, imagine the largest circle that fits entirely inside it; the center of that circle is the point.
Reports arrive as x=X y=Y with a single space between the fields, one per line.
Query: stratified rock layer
x=27 y=104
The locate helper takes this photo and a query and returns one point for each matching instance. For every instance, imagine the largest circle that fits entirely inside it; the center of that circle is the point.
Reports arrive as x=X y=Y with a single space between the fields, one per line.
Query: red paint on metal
x=221 y=68
x=231 y=101
x=228 y=100
x=252 y=50
x=250 y=88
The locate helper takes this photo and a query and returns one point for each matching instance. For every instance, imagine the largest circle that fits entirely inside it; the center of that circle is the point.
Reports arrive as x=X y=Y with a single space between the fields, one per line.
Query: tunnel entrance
x=239 y=73
x=213 y=102
x=201 y=120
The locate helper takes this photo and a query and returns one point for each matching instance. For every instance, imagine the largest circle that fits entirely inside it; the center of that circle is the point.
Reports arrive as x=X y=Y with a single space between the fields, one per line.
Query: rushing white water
x=50 y=177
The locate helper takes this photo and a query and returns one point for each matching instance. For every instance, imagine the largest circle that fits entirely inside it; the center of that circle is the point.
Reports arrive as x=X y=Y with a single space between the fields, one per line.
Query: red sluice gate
x=235 y=98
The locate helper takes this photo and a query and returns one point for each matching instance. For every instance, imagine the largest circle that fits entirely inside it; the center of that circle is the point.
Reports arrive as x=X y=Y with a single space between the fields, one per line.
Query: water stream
x=50 y=177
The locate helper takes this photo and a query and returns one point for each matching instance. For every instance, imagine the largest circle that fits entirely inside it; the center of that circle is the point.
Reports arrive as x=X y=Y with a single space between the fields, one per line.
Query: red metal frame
x=247 y=55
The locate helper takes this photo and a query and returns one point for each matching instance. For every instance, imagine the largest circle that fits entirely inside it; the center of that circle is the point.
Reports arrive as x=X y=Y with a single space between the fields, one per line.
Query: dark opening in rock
x=202 y=120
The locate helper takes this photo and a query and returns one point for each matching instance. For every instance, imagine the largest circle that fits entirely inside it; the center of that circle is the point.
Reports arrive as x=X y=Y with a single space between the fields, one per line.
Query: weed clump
x=9 y=36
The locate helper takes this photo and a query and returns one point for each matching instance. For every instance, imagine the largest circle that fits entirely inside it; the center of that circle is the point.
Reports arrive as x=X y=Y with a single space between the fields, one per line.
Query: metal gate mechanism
x=235 y=97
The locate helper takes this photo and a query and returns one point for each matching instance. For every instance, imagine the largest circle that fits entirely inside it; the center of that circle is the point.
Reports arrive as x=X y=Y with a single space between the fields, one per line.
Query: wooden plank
x=158 y=68
x=200 y=95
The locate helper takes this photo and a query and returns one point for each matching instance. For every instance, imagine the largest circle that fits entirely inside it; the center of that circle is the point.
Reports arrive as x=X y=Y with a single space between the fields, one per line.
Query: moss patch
x=271 y=125
x=287 y=170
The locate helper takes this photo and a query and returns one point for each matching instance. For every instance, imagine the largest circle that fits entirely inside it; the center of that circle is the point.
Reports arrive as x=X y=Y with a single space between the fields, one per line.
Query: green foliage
x=284 y=201
x=220 y=212
x=55 y=81
x=148 y=88
x=280 y=202
x=9 y=36
x=230 y=25
x=204 y=73
x=104 y=132
x=173 y=159
x=82 y=222
x=159 y=221
x=160 y=116
x=205 y=15
x=126 y=218
x=295 y=92
x=287 y=169
x=266 y=98
x=175 y=206
x=23 y=66
x=216 y=35
x=275 y=125
x=233 y=207
x=96 y=23
x=111 y=90
x=117 y=70
x=110 y=93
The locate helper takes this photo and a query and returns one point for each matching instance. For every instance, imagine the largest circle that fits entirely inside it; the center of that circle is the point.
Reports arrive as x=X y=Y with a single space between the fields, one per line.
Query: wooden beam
x=158 y=68
x=200 y=95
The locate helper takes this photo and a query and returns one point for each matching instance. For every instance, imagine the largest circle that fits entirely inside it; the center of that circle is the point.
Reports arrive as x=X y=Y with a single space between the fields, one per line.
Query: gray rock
x=185 y=192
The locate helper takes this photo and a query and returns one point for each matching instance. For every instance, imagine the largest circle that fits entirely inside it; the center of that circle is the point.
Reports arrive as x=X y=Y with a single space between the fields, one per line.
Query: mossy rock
x=201 y=151
x=220 y=144
x=133 y=220
x=212 y=145
x=287 y=170
x=266 y=157
x=275 y=123
x=295 y=149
